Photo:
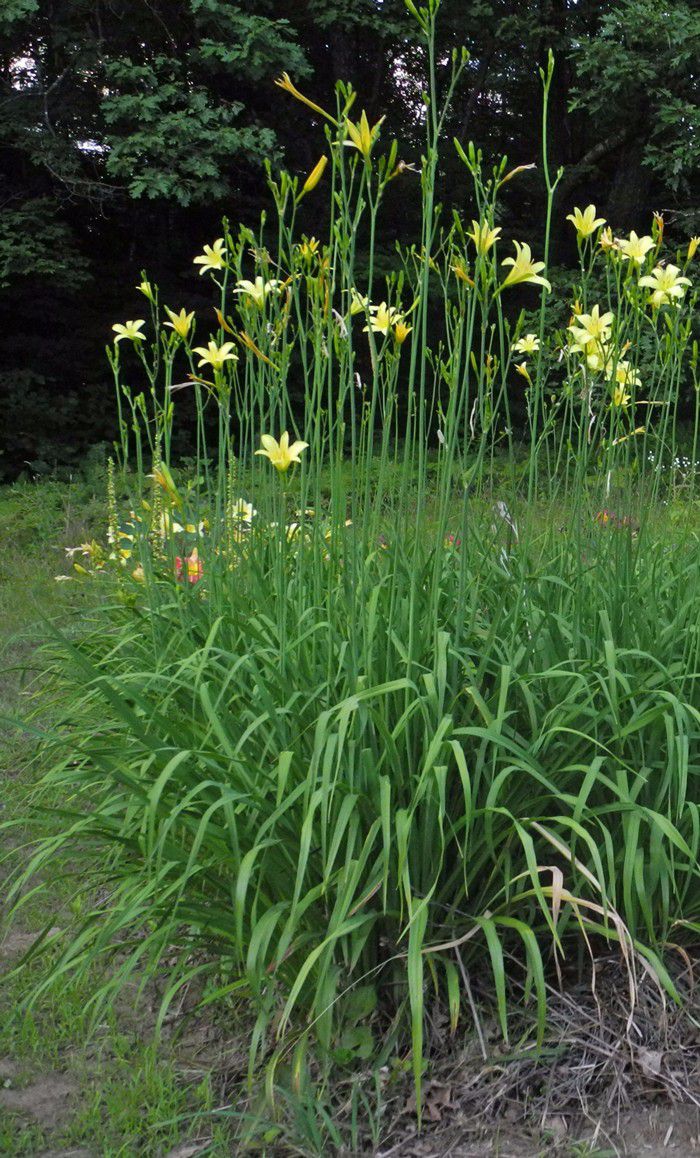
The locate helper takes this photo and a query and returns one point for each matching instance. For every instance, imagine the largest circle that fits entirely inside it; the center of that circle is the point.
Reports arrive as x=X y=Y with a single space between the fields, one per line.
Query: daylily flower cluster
x=591 y=339
x=666 y=282
x=524 y=269
x=382 y=319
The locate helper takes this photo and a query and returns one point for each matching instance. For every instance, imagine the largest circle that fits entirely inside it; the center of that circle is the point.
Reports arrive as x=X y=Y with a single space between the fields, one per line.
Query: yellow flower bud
x=315 y=175
x=693 y=247
x=284 y=82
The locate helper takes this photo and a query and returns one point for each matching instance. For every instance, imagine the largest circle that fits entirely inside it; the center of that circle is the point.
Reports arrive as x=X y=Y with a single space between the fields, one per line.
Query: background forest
x=129 y=127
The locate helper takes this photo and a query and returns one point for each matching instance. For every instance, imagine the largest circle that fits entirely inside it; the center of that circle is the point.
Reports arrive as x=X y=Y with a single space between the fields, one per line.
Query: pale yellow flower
x=215 y=356
x=666 y=283
x=130 y=331
x=242 y=511
x=181 y=323
x=483 y=236
x=585 y=223
x=528 y=344
x=524 y=268
x=591 y=328
x=635 y=248
x=401 y=332
x=281 y=454
x=361 y=136
x=620 y=397
x=622 y=373
x=146 y=289
x=521 y=368
x=241 y=515
x=606 y=240
x=256 y=290
x=213 y=256
x=598 y=359
x=180 y=528
x=358 y=303
x=382 y=318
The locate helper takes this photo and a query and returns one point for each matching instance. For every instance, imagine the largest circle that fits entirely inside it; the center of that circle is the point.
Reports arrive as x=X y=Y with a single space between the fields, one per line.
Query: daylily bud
x=285 y=82
x=514 y=172
x=315 y=175
x=693 y=247
x=146 y=289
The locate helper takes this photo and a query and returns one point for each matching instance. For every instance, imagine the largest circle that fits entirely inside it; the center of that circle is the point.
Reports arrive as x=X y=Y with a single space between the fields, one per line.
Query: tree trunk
x=629 y=195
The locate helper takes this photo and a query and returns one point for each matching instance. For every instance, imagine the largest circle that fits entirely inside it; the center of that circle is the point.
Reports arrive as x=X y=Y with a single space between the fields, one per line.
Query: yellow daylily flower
x=585 y=223
x=358 y=303
x=213 y=256
x=693 y=247
x=529 y=344
x=524 y=268
x=181 y=323
x=130 y=331
x=620 y=397
x=667 y=284
x=281 y=454
x=635 y=248
x=483 y=236
x=361 y=136
x=315 y=175
x=215 y=356
x=257 y=290
x=591 y=329
x=401 y=332
x=623 y=373
x=242 y=511
x=597 y=360
x=382 y=318
x=308 y=248
x=146 y=289
x=606 y=241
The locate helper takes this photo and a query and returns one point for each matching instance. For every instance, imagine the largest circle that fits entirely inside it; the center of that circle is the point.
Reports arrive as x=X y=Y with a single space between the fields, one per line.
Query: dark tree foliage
x=129 y=127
